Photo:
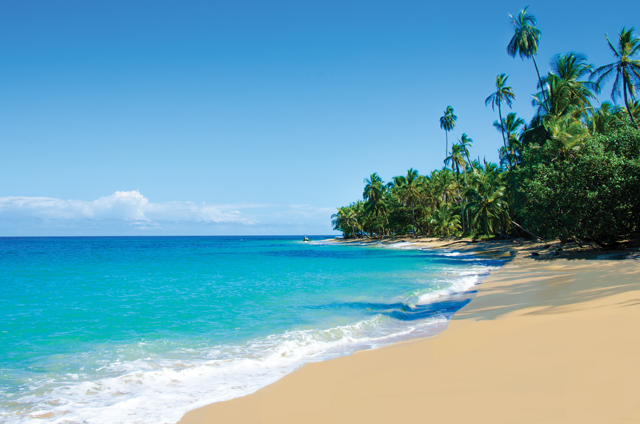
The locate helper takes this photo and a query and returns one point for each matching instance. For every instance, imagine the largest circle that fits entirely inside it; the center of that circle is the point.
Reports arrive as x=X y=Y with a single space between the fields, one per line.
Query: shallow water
x=142 y=329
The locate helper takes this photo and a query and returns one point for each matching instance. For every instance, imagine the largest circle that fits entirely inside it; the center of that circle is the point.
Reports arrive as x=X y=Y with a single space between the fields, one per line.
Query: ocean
x=143 y=329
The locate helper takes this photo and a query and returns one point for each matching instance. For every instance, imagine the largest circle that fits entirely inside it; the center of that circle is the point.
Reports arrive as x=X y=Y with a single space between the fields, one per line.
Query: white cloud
x=130 y=209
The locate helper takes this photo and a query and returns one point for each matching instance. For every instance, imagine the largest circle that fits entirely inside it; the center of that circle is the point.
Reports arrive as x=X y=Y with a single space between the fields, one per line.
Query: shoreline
x=549 y=338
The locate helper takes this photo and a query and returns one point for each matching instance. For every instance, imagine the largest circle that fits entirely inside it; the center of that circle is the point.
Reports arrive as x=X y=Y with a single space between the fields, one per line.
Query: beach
x=547 y=339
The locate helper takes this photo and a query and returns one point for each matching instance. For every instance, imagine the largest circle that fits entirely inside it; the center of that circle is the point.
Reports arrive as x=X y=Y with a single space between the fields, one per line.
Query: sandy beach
x=548 y=339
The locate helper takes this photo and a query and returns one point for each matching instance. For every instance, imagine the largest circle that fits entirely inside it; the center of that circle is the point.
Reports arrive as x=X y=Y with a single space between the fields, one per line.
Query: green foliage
x=624 y=142
x=594 y=195
x=434 y=205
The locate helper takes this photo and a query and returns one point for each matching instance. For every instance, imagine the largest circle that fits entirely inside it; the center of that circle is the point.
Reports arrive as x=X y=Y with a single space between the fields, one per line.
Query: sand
x=550 y=339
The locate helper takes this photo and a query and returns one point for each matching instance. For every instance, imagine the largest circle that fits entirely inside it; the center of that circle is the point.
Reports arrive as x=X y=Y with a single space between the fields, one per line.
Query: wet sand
x=553 y=338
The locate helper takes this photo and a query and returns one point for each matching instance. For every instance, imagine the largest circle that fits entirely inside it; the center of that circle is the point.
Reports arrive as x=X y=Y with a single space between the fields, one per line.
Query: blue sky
x=246 y=117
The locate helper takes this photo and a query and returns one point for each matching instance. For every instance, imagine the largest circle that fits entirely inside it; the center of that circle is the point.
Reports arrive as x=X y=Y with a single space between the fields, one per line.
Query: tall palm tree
x=625 y=68
x=525 y=39
x=447 y=123
x=503 y=93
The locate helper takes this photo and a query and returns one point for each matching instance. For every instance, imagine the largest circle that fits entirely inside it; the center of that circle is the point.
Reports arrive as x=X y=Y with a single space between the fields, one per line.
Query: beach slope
x=551 y=340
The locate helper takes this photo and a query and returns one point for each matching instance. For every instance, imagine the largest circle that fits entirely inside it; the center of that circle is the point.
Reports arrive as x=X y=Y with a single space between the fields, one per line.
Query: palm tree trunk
x=459 y=192
x=468 y=221
x=544 y=94
x=463 y=211
x=446 y=148
x=413 y=220
x=504 y=140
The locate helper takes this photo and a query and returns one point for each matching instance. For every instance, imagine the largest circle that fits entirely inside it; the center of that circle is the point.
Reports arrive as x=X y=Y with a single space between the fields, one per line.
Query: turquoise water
x=142 y=329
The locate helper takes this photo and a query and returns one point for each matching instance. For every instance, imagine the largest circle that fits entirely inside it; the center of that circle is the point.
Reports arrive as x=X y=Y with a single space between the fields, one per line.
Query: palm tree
x=525 y=39
x=487 y=205
x=447 y=123
x=465 y=143
x=572 y=67
x=503 y=93
x=456 y=159
x=564 y=91
x=339 y=220
x=445 y=220
x=565 y=136
x=602 y=119
x=443 y=184
x=510 y=126
x=556 y=99
x=625 y=68
x=634 y=109
x=410 y=190
x=374 y=194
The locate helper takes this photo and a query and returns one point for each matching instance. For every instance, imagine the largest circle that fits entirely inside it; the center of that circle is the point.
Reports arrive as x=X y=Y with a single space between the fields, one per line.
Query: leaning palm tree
x=525 y=39
x=504 y=94
x=625 y=68
x=447 y=123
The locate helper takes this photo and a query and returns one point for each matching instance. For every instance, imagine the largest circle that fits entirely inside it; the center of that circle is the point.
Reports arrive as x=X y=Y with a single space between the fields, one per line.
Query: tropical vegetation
x=572 y=172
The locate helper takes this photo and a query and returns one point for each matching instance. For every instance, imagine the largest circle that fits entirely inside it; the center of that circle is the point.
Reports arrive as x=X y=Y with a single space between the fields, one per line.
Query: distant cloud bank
x=130 y=213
